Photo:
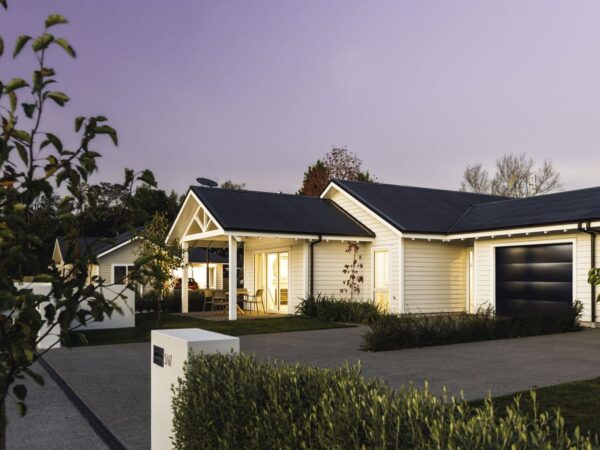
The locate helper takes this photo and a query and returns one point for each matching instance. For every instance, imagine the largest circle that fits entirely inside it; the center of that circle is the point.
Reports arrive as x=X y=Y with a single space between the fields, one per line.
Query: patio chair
x=253 y=301
x=208 y=299
x=220 y=300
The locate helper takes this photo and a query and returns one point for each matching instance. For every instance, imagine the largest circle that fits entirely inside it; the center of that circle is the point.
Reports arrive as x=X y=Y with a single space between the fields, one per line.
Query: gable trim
x=360 y=204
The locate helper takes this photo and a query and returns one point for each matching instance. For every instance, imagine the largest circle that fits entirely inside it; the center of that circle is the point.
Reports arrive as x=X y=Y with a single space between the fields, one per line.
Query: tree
x=337 y=163
x=594 y=279
x=156 y=259
x=515 y=176
x=316 y=178
x=352 y=271
x=231 y=185
x=475 y=179
x=34 y=164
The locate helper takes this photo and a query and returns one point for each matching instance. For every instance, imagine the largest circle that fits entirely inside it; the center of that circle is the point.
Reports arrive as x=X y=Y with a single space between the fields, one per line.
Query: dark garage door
x=534 y=278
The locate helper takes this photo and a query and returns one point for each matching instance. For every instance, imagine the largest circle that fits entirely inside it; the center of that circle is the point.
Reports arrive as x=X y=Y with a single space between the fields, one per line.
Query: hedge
x=395 y=331
x=336 y=310
x=171 y=303
x=235 y=401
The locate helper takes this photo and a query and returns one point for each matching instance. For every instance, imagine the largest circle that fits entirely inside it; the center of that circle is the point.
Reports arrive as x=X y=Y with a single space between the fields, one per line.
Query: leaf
x=54 y=140
x=60 y=98
x=105 y=129
x=20 y=43
x=66 y=46
x=29 y=109
x=55 y=19
x=22 y=135
x=22 y=153
x=20 y=391
x=1 y=46
x=78 y=122
x=42 y=42
x=21 y=408
x=14 y=84
x=3 y=3
x=148 y=177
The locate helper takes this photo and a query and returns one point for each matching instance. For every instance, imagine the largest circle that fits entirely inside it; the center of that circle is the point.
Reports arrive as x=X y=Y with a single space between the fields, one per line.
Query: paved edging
x=97 y=425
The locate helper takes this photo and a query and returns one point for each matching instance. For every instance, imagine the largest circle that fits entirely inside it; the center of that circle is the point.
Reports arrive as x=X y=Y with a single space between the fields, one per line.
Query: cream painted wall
x=484 y=265
x=386 y=237
x=435 y=276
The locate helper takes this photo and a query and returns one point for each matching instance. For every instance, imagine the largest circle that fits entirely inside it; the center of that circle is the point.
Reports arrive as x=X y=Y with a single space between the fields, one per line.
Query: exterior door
x=277 y=275
x=381 y=278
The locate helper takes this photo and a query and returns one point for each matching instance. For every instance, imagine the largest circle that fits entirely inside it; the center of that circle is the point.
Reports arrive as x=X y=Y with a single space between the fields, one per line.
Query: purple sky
x=257 y=90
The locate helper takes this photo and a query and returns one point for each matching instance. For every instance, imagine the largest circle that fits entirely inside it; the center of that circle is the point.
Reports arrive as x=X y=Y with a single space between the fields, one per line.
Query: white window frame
x=112 y=270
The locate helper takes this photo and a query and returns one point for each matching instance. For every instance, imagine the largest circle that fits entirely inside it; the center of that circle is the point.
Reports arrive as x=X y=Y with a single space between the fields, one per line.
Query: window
x=120 y=273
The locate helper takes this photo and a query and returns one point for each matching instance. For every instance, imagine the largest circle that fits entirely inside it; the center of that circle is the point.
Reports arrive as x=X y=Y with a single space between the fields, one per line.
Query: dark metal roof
x=92 y=245
x=414 y=208
x=240 y=210
x=198 y=255
x=563 y=207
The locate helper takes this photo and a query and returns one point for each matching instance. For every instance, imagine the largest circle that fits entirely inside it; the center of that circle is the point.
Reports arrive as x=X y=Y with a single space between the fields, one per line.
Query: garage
x=534 y=279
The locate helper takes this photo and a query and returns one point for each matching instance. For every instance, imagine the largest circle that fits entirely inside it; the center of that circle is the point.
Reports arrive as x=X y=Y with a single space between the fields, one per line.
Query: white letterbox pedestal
x=168 y=353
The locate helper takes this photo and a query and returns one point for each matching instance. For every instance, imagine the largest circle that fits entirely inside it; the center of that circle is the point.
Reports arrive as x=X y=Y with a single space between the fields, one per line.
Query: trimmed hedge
x=234 y=401
x=393 y=331
x=328 y=308
x=171 y=303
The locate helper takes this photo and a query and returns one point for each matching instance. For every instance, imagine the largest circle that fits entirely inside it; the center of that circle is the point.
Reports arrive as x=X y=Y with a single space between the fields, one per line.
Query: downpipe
x=312 y=264
x=593 y=235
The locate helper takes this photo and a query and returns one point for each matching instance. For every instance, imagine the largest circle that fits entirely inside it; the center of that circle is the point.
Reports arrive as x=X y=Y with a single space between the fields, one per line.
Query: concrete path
x=114 y=380
x=52 y=421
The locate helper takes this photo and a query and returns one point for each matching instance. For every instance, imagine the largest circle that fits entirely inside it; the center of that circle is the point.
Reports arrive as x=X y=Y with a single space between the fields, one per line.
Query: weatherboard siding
x=484 y=266
x=385 y=237
x=122 y=256
x=435 y=276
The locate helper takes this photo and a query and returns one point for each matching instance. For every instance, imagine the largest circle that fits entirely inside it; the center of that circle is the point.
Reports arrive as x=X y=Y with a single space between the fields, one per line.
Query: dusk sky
x=255 y=91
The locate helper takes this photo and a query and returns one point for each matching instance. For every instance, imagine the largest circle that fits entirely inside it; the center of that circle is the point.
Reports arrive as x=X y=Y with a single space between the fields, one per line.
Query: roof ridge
x=419 y=187
x=551 y=194
x=250 y=191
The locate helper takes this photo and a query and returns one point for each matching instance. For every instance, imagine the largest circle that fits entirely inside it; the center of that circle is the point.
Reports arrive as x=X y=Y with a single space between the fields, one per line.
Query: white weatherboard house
x=423 y=250
x=115 y=257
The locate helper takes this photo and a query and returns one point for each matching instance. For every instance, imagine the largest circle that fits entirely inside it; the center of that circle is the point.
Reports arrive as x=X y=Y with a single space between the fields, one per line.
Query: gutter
x=312 y=264
x=593 y=234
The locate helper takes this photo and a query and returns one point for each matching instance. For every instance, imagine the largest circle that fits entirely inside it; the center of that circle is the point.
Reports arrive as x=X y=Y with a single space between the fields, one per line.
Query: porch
x=270 y=241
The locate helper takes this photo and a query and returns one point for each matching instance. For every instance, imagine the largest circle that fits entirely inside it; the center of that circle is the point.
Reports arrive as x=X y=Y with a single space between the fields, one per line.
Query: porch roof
x=265 y=212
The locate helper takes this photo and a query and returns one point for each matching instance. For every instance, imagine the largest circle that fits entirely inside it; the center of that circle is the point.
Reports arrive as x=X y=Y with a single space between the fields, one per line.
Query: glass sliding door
x=277 y=280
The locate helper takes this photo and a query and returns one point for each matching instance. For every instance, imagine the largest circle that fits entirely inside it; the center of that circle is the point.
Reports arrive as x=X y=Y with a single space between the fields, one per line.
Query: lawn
x=146 y=322
x=578 y=401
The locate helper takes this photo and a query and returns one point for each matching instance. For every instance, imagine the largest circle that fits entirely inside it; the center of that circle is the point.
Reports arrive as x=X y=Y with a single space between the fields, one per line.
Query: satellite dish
x=207 y=182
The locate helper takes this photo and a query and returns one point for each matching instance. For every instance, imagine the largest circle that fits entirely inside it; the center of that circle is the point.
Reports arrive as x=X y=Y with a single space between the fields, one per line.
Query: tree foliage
x=516 y=176
x=338 y=163
x=35 y=164
x=231 y=185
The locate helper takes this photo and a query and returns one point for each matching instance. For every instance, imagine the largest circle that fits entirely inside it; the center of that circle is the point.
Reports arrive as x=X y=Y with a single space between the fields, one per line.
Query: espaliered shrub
x=234 y=401
x=336 y=310
x=394 y=331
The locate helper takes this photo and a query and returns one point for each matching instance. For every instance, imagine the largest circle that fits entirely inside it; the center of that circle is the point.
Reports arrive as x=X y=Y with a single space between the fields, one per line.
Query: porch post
x=184 y=279
x=232 y=278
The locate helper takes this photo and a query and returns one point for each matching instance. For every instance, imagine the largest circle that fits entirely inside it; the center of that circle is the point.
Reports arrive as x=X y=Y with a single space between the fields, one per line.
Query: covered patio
x=275 y=234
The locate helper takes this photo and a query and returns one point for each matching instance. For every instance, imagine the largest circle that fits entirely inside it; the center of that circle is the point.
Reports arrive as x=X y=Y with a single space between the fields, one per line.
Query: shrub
x=228 y=401
x=328 y=308
x=392 y=331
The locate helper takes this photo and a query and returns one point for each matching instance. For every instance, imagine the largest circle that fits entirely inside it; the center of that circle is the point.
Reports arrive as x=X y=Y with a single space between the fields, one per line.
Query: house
x=422 y=250
x=115 y=257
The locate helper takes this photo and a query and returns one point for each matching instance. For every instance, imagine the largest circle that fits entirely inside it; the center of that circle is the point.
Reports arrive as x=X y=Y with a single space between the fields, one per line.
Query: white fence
x=125 y=319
